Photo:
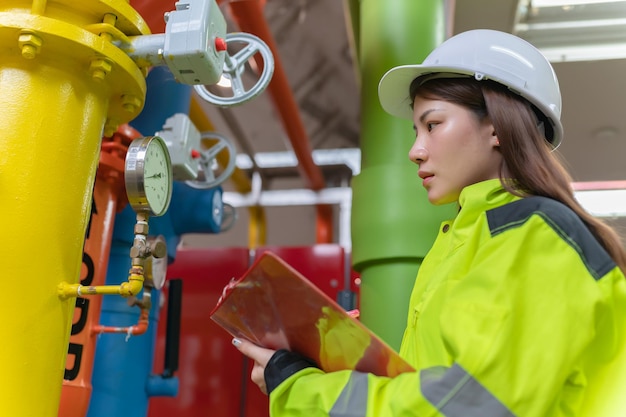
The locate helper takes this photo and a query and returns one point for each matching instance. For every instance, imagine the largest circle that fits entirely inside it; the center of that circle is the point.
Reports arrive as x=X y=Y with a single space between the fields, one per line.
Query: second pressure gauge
x=148 y=175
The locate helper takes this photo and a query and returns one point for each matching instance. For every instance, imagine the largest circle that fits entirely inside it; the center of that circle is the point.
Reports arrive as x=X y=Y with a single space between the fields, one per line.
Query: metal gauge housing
x=148 y=175
x=155 y=269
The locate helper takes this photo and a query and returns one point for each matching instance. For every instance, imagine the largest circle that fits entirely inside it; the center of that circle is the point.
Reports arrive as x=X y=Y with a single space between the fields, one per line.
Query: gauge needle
x=155 y=176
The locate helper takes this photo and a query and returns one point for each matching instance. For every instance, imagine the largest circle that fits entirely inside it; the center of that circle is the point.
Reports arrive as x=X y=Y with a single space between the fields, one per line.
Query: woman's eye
x=430 y=126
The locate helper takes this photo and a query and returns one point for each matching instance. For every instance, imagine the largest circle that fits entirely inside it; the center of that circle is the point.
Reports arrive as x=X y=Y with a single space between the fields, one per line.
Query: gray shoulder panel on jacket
x=562 y=220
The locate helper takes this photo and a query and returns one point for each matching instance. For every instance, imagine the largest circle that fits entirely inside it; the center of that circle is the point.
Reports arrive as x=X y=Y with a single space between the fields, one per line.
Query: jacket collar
x=477 y=198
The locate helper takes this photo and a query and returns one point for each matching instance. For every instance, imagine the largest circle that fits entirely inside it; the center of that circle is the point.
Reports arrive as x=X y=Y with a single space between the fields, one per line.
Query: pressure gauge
x=148 y=175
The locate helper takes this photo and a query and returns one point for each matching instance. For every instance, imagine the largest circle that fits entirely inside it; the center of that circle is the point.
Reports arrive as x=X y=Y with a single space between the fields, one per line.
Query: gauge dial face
x=157 y=176
x=148 y=175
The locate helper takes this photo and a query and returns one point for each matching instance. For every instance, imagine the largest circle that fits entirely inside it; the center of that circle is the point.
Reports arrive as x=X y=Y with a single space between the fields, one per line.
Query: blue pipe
x=122 y=375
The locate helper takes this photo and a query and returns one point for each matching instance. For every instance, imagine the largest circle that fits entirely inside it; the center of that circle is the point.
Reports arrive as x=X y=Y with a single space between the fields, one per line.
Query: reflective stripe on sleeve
x=455 y=393
x=352 y=401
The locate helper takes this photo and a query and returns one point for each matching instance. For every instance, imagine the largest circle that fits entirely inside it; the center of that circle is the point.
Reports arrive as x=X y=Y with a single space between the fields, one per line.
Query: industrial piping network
x=115 y=47
x=71 y=74
x=44 y=44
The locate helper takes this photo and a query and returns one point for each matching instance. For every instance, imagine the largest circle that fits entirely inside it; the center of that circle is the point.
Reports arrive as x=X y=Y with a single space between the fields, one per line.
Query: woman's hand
x=260 y=356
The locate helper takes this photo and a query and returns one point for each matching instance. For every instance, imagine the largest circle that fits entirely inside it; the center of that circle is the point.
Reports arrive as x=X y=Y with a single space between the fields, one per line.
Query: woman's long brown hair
x=529 y=165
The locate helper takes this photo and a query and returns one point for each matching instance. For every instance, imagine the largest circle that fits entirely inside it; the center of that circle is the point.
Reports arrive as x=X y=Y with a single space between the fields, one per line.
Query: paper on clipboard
x=274 y=306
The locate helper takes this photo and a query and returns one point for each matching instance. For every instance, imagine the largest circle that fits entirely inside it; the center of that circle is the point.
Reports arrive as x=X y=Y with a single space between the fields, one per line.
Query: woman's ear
x=489 y=130
x=494 y=139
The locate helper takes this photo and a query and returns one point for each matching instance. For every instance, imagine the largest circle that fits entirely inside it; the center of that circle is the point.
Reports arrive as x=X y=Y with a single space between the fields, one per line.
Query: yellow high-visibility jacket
x=516 y=311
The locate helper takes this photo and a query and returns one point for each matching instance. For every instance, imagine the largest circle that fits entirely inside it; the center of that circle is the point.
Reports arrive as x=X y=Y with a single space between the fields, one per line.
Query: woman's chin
x=438 y=200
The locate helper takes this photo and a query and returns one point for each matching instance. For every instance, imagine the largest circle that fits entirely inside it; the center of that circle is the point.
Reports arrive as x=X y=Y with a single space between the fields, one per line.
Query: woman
x=518 y=306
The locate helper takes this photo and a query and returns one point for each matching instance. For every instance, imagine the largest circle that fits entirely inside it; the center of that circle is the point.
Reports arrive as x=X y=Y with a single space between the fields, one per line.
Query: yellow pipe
x=61 y=86
x=257 y=231
x=139 y=252
x=126 y=289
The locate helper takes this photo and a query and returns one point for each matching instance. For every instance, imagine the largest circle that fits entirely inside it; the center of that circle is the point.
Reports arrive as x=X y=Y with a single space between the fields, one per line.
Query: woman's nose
x=418 y=153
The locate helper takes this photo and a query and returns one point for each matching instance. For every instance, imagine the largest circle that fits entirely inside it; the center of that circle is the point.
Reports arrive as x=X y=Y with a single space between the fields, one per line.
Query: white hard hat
x=483 y=54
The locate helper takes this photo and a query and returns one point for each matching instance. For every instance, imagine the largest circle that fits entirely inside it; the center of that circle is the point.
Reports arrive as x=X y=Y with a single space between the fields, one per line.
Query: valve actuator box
x=183 y=142
x=194 y=33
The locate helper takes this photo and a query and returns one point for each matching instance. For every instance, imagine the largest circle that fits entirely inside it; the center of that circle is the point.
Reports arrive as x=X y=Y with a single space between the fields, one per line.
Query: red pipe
x=153 y=11
x=248 y=15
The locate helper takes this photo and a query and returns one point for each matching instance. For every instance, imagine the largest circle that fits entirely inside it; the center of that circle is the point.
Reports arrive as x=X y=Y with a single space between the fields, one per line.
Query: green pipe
x=393 y=225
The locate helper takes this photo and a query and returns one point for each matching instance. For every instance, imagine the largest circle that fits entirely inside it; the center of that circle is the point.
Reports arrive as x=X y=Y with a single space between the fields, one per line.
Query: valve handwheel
x=234 y=66
x=206 y=178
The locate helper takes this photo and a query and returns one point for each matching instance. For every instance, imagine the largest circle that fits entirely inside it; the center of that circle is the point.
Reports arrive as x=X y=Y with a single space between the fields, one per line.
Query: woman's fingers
x=260 y=356
x=258 y=377
x=254 y=352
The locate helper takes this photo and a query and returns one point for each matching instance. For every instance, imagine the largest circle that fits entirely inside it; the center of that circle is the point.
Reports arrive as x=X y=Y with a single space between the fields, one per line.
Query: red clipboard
x=275 y=306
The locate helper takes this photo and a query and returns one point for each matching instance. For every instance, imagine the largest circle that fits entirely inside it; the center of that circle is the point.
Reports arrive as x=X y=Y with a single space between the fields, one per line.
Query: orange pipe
x=248 y=15
x=324 y=223
x=140 y=328
x=109 y=197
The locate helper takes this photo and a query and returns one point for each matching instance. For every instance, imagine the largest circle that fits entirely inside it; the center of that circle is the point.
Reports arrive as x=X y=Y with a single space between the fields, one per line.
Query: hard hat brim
x=393 y=88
